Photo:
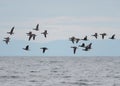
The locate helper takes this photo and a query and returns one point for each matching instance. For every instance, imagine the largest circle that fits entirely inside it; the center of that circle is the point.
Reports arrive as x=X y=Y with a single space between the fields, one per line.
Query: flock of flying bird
x=89 y=46
x=30 y=35
x=72 y=39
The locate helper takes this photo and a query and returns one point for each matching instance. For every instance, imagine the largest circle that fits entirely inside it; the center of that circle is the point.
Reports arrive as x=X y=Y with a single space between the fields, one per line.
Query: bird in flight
x=74 y=49
x=103 y=35
x=85 y=38
x=11 y=31
x=26 y=48
x=72 y=39
x=45 y=33
x=36 y=28
x=77 y=40
x=44 y=49
x=82 y=45
x=31 y=35
x=7 y=39
x=88 y=47
x=95 y=35
x=112 y=37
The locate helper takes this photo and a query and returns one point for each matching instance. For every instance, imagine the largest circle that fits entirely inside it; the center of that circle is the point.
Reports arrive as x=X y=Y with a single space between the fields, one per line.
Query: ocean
x=59 y=71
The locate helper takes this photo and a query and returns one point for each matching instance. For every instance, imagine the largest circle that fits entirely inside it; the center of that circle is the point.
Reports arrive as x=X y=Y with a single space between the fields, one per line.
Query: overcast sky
x=62 y=19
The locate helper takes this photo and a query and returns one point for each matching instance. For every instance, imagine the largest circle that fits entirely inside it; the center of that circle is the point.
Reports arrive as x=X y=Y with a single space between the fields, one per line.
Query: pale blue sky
x=62 y=19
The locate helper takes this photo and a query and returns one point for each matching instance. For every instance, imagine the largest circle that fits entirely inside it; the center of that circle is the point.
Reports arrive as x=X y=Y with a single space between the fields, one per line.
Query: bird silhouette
x=77 y=40
x=72 y=39
x=95 y=35
x=112 y=37
x=7 y=39
x=29 y=33
x=11 y=31
x=74 y=49
x=45 y=33
x=31 y=36
x=26 y=48
x=103 y=35
x=82 y=45
x=44 y=49
x=37 y=27
x=34 y=35
x=85 y=38
x=88 y=47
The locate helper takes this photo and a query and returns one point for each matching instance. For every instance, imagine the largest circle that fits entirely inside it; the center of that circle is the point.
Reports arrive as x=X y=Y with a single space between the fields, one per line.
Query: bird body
x=83 y=45
x=85 y=38
x=45 y=33
x=95 y=35
x=37 y=27
x=103 y=35
x=88 y=47
x=26 y=48
x=74 y=49
x=72 y=39
x=77 y=40
x=7 y=39
x=11 y=31
x=112 y=37
x=44 y=49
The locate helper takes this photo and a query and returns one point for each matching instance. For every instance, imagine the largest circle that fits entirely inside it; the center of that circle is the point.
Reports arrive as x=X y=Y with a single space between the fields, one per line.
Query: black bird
x=86 y=49
x=37 y=27
x=29 y=33
x=112 y=37
x=74 y=49
x=11 y=31
x=7 y=39
x=103 y=35
x=44 y=49
x=83 y=45
x=89 y=46
x=77 y=40
x=72 y=39
x=30 y=36
x=26 y=48
x=95 y=35
x=45 y=33
x=85 y=38
x=34 y=35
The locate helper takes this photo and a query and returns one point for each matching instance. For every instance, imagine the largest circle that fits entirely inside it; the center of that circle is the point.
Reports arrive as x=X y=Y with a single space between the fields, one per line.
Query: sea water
x=59 y=71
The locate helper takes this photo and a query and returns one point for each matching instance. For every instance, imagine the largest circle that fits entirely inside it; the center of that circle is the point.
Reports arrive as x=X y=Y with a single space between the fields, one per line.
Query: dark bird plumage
x=7 y=40
x=95 y=35
x=29 y=33
x=44 y=49
x=85 y=38
x=82 y=45
x=74 y=49
x=11 y=31
x=72 y=39
x=112 y=37
x=37 y=27
x=45 y=33
x=26 y=48
x=77 y=40
x=88 y=47
x=103 y=35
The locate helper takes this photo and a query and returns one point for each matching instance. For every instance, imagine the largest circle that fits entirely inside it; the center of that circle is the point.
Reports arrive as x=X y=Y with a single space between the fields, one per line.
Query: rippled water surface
x=59 y=71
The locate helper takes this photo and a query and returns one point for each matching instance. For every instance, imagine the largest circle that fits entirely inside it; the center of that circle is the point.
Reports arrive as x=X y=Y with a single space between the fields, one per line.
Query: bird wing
x=30 y=36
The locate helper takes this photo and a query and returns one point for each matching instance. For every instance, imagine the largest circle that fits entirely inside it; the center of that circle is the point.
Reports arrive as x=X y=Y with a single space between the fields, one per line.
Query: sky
x=62 y=19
